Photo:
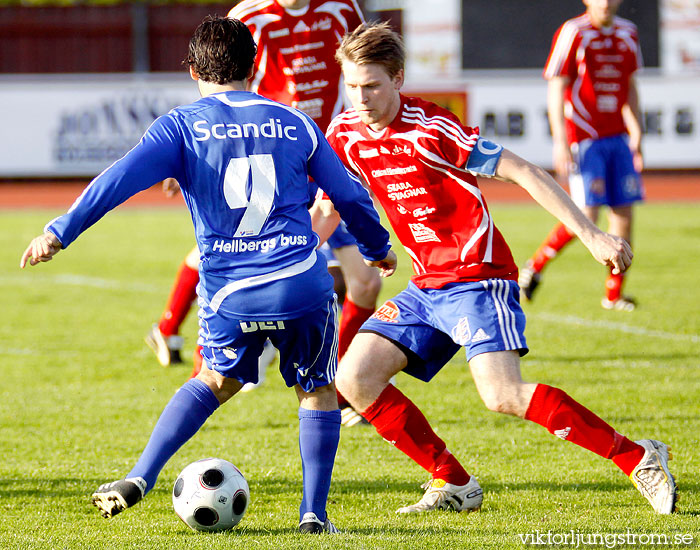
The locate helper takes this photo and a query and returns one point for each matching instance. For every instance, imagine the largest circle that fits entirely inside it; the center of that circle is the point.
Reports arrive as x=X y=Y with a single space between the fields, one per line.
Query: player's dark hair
x=373 y=43
x=221 y=50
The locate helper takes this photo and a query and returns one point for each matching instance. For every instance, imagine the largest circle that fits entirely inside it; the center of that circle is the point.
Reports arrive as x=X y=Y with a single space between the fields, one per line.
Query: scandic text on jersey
x=272 y=129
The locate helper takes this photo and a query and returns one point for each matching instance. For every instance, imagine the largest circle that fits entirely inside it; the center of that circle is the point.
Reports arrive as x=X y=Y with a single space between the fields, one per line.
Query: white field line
x=611 y=325
x=110 y=284
x=68 y=279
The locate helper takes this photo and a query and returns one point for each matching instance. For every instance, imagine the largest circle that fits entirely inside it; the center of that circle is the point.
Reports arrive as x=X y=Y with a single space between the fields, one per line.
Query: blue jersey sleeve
x=351 y=200
x=484 y=158
x=153 y=159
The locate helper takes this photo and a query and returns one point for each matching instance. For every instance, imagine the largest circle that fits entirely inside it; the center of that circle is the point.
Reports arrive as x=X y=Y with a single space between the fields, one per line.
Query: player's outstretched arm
x=42 y=249
x=605 y=248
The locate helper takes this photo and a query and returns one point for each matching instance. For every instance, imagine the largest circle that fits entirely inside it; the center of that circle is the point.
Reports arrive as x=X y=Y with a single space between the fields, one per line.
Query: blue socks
x=194 y=403
x=189 y=408
x=319 y=433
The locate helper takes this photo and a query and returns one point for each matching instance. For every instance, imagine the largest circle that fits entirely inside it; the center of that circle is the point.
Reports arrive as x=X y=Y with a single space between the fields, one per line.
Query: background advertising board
x=59 y=126
x=512 y=111
x=78 y=125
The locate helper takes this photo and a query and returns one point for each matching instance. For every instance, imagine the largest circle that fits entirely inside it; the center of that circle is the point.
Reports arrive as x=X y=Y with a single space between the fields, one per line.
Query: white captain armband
x=484 y=158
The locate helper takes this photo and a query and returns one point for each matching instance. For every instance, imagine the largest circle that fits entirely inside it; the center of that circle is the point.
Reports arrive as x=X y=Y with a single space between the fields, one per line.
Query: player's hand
x=170 y=187
x=562 y=159
x=387 y=266
x=41 y=249
x=612 y=251
x=638 y=160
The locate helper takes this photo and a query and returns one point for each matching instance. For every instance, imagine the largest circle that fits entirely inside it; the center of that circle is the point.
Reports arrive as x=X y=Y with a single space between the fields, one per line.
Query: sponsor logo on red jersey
x=423 y=234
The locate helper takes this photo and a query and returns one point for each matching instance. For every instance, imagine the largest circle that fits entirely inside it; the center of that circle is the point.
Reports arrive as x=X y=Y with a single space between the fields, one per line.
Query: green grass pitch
x=80 y=393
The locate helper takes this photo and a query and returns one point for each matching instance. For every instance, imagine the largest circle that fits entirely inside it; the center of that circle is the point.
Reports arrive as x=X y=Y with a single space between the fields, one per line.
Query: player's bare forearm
x=41 y=249
x=633 y=122
x=605 y=248
x=561 y=153
x=324 y=219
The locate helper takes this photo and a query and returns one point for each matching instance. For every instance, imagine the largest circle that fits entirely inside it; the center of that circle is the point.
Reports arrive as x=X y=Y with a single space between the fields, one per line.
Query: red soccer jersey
x=295 y=64
x=599 y=63
x=416 y=169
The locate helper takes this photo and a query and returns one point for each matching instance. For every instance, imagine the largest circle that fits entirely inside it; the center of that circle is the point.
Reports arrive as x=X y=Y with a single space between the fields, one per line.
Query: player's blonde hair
x=373 y=43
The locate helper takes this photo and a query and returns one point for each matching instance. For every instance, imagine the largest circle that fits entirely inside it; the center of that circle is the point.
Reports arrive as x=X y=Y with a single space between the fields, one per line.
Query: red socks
x=557 y=239
x=401 y=423
x=182 y=295
x=350 y=322
x=613 y=286
x=561 y=415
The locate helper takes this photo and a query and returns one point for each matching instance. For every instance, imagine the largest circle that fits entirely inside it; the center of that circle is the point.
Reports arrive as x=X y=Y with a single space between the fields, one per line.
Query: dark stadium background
x=149 y=36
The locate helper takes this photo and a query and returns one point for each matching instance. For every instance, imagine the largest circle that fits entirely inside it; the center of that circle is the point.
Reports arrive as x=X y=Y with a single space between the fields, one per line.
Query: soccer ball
x=211 y=495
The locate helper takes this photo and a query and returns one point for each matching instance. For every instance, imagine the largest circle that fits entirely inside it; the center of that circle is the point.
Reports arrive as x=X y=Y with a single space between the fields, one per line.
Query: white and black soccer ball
x=211 y=495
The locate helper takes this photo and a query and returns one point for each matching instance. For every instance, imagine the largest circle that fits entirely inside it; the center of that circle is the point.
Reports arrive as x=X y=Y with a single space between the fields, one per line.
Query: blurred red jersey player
x=596 y=126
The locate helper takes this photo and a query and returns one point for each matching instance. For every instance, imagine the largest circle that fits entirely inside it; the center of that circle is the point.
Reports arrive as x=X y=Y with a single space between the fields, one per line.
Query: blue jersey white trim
x=304 y=119
x=242 y=284
x=243 y=163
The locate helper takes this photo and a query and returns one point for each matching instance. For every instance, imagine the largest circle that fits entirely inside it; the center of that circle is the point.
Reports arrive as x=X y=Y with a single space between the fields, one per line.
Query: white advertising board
x=77 y=125
x=433 y=32
x=512 y=110
x=680 y=36
x=57 y=126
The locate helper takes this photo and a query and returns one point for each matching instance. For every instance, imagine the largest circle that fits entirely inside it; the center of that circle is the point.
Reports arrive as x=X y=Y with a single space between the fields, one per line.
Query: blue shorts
x=430 y=325
x=327 y=252
x=605 y=173
x=341 y=237
x=308 y=345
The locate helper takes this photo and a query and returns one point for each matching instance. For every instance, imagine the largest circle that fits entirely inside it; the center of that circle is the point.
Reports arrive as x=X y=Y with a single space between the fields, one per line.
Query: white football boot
x=623 y=303
x=653 y=478
x=166 y=348
x=440 y=495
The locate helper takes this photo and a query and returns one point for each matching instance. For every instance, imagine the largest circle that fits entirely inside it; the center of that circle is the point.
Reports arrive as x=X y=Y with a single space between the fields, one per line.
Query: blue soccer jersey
x=243 y=163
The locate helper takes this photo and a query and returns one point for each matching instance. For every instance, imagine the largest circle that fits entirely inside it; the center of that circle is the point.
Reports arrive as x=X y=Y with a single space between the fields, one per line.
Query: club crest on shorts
x=461 y=333
x=388 y=312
